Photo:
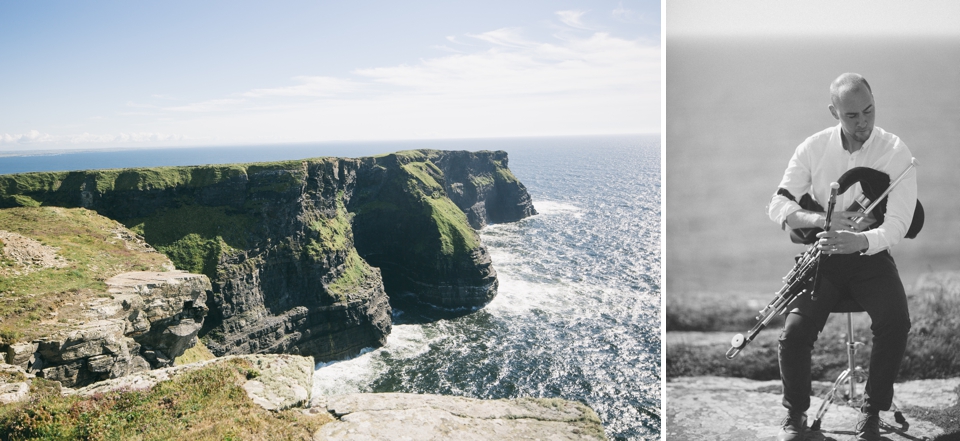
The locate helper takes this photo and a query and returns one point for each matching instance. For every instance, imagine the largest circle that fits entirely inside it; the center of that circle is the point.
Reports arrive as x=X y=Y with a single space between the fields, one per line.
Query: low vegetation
x=933 y=351
x=206 y=404
x=456 y=235
x=355 y=273
x=195 y=236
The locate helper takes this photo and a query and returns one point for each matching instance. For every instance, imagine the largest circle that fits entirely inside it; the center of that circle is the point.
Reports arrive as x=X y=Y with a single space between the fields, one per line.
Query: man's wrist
x=863 y=242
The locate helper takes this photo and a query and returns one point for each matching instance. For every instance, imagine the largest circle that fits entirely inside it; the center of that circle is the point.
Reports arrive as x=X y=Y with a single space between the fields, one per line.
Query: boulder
x=14 y=383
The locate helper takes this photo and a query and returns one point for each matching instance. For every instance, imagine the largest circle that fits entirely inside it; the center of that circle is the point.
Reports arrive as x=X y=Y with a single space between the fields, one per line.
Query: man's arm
x=806 y=219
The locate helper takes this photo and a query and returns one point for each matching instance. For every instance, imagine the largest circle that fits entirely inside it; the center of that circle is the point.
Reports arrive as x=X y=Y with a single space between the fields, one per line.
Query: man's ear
x=833 y=111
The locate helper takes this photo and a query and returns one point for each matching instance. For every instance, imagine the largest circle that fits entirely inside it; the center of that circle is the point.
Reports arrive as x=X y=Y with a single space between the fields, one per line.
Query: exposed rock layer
x=149 y=319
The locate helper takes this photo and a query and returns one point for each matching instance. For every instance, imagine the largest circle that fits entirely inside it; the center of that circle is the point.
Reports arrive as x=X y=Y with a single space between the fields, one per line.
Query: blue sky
x=87 y=74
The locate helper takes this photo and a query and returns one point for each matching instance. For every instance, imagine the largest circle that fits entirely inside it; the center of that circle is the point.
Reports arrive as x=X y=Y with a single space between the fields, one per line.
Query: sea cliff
x=304 y=256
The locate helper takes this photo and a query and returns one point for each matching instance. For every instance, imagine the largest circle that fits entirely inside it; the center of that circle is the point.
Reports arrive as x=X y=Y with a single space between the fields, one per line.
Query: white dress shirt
x=821 y=159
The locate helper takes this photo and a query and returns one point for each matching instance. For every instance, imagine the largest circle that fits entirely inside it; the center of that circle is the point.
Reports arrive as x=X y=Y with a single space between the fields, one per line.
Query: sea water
x=577 y=314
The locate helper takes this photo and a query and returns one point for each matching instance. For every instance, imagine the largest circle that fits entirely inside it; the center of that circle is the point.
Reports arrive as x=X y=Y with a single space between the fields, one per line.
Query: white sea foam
x=358 y=373
x=555 y=207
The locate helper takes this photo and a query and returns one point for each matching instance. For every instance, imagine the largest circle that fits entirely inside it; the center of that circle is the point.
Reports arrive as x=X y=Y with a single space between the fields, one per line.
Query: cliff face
x=302 y=254
x=483 y=187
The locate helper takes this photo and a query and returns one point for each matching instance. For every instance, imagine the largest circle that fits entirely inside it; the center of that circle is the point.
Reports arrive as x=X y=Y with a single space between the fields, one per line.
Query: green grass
x=482 y=181
x=206 y=404
x=456 y=235
x=63 y=188
x=333 y=234
x=198 y=352
x=354 y=274
x=193 y=236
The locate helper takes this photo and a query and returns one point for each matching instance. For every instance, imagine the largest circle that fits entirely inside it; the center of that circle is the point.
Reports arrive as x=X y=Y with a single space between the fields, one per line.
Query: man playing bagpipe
x=855 y=258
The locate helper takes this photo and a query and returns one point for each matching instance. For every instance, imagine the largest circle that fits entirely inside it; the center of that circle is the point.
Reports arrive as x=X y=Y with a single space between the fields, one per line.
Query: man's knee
x=798 y=331
x=896 y=322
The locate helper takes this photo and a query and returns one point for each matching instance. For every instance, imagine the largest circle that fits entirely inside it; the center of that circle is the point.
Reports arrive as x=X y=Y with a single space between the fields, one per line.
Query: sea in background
x=736 y=109
x=577 y=315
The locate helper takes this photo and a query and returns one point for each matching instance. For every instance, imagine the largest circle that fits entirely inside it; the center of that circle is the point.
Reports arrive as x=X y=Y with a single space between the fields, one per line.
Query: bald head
x=852 y=104
x=848 y=82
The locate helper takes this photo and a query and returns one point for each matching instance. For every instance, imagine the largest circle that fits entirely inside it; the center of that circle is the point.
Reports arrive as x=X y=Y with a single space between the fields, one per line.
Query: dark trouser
x=873 y=281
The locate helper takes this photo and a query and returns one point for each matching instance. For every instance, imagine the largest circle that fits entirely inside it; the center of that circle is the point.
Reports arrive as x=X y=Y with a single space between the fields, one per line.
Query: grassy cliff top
x=18 y=189
x=53 y=259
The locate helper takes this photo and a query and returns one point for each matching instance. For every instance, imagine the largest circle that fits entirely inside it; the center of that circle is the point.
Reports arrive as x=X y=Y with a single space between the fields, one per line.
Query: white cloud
x=509 y=37
x=216 y=105
x=140 y=105
x=30 y=137
x=36 y=137
x=512 y=86
x=516 y=69
x=445 y=48
x=572 y=18
x=318 y=86
x=623 y=14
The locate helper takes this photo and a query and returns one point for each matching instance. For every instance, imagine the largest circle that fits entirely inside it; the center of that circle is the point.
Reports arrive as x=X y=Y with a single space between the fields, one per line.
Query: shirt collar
x=866 y=144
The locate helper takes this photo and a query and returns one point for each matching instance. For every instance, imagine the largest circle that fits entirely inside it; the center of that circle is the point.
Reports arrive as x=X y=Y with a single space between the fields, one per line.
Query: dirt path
x=28 y=254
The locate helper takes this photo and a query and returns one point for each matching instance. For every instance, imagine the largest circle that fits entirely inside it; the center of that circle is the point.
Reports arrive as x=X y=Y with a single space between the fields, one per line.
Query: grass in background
x=933 y=350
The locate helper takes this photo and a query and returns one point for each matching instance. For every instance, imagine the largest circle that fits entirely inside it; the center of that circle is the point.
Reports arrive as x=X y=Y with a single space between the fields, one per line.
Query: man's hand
x=844 y=220
x=841 y=242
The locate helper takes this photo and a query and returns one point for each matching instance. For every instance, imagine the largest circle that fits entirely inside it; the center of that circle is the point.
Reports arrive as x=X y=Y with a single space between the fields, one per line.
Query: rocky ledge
x=146 y=320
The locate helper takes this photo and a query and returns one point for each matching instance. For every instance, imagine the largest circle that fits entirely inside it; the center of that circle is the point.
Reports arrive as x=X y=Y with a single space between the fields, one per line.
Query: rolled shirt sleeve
x=796 y=181
x=901 y=203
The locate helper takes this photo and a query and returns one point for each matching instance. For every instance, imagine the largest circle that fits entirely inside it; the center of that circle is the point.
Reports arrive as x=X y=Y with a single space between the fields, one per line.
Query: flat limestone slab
x=432 y=417
x=720 y=408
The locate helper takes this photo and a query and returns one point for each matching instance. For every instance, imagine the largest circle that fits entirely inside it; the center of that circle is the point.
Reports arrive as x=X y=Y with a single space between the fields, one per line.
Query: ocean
x=578 y=312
